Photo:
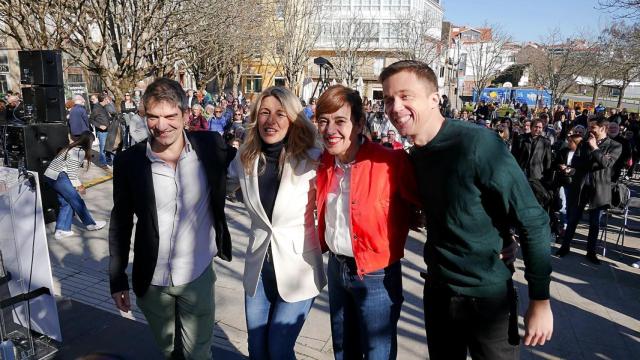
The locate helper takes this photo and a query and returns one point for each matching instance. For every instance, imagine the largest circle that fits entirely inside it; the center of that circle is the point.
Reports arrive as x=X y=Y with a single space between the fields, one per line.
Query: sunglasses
x=218 y=112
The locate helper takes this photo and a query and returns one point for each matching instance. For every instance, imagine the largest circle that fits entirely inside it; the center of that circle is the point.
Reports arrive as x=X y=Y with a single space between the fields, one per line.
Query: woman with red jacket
x=366 y=197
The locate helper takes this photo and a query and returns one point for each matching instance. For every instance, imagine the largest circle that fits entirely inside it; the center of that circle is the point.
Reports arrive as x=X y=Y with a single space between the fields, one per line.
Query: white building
x=377 y=36
x=467 y=46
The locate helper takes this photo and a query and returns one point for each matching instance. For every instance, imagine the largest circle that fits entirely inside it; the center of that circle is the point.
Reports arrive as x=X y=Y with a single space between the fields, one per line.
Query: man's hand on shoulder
x=538 y=323
x=121 y=298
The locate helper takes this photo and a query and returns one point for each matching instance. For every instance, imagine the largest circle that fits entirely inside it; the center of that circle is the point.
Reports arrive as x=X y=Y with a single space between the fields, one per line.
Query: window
x=378 y=64
x=4 y=84
x=75 y=78
x=279 y=81
x=253 y=83
x=4 y=64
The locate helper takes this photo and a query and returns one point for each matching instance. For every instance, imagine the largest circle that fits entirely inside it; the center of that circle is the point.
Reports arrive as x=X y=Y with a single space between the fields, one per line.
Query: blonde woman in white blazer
x=276 y=168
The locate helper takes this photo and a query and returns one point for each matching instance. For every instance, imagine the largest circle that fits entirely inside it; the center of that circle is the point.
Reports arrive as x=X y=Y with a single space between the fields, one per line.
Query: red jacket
x=383 y=197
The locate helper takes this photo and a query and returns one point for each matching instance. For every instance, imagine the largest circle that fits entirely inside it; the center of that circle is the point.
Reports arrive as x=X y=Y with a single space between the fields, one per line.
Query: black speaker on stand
x=36 y=142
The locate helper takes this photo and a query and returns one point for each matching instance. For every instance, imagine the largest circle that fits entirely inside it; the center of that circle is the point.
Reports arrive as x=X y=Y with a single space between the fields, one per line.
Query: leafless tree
x=225 y=34
x=626 y=8
x=352 y=39
x=122 y=41
x=418 y=37
x=484 y=56
x=598 y=69
x=292 y=34
x=625 y=45
x=555 y=64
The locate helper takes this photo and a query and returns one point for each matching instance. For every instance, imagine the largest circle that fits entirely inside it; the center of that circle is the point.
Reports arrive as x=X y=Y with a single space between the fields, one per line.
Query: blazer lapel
x=147 y=186
x=285 y=189
x=253 y=196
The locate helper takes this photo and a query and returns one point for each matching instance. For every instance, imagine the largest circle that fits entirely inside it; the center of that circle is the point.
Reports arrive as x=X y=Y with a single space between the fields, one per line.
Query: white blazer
x=297 y=256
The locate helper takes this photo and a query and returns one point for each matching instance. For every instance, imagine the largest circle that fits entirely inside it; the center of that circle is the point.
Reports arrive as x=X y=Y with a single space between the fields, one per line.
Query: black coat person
x=591 y=183
x=533 y=154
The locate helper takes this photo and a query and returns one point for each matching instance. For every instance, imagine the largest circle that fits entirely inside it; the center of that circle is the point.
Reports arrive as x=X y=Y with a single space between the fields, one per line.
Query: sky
x=529 y=20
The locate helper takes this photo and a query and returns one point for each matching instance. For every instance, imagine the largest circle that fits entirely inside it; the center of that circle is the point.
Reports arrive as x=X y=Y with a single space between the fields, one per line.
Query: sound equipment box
x=44 y=104
x=41 y=67
x=34 y=146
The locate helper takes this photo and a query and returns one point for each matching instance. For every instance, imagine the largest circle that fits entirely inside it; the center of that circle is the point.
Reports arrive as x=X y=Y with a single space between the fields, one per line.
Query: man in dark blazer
x=175 y=185
x=533 y=152
x=591 y=184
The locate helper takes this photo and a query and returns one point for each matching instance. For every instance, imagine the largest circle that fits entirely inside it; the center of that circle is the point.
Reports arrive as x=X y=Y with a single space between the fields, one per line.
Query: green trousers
x=187 y=310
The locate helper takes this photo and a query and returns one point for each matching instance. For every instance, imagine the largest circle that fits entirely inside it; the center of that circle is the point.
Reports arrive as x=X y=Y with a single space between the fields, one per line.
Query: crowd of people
x=571 y=157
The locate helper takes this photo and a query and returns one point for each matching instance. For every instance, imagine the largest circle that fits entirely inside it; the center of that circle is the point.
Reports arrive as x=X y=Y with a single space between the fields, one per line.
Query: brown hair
x=163 y=90
x=336 y=97
x=301 y=135
x=421 y=70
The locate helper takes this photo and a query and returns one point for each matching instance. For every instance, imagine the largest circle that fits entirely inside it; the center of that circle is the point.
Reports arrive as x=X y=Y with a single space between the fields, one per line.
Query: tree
x=122 y=41
x=627 y=8
x=625 y=46
x=224 y=35
x=555 y=64
x=418 y=38
x=598 y=69
x=352 y=39
x=294 y=30
x=511 y=74
x=484 y=56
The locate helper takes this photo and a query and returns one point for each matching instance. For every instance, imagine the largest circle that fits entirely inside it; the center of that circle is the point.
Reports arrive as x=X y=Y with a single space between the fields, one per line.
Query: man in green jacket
x=473 y=192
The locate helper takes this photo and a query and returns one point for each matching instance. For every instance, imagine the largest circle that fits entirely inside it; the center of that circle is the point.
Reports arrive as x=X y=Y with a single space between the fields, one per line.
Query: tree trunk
x=621 y=95
x=596 y=89
x=236 y=79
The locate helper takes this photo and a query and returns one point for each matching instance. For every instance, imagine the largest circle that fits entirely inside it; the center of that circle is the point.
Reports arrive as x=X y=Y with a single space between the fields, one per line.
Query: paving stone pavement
x=596 y=308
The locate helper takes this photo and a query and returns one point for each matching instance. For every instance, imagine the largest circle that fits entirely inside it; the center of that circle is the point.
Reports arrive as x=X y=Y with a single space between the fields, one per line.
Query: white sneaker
x=636 y=265
x=61 y=234
x=97 y=226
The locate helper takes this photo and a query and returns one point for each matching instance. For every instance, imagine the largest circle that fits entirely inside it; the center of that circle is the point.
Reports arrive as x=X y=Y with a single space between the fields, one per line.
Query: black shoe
x=562 y=252
x=593 y=258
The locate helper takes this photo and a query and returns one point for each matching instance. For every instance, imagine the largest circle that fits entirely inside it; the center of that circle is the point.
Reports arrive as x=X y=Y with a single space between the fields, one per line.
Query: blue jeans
x=364 y=311
x=70 y=203
x=273 y=324
x=105 y=159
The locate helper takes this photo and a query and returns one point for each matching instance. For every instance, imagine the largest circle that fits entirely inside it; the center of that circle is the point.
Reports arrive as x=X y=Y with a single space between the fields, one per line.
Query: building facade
x=471 y=50
x=361 y=37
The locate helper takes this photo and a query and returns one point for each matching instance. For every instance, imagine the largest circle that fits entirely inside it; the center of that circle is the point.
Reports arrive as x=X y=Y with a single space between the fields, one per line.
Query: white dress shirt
x=185 y=224
x=338 y=211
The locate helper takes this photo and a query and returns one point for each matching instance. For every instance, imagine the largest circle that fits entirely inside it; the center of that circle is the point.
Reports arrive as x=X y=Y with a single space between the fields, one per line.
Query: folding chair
x=607 y=213
x=631 y=203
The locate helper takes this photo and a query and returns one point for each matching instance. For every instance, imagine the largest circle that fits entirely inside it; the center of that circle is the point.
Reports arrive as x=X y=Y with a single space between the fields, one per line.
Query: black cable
x=32 y=182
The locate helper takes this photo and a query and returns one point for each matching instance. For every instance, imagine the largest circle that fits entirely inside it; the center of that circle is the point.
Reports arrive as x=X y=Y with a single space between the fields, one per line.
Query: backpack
x=619 y=195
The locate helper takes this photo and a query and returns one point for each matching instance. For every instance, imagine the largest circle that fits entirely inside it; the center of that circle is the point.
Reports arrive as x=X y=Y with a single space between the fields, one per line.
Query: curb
x=98 y=181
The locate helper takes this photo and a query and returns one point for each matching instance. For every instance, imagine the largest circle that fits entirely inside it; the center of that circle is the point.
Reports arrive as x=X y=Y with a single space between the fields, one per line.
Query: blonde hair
x=301 y=135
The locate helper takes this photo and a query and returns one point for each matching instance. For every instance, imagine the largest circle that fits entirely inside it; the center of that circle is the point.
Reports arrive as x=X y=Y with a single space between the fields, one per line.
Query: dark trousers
x=574 y=215
x=457 y=324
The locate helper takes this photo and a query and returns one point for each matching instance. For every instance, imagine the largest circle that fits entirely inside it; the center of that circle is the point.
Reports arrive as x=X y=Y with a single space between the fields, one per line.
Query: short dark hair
x=101 y=97
x=336 y=97
x=600 y=121
x=536 y=121
x=421 y=70
x=167 y=90
x=575 y=138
